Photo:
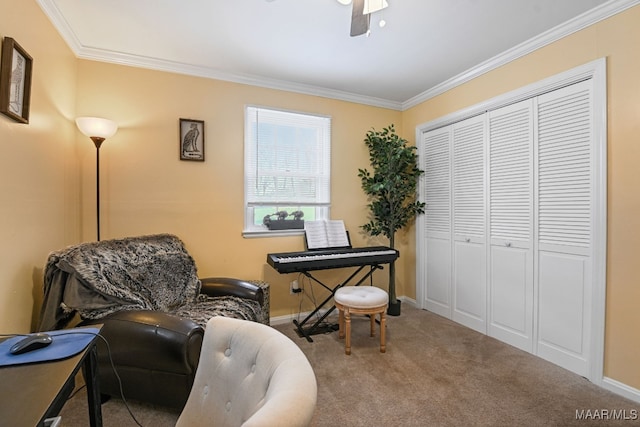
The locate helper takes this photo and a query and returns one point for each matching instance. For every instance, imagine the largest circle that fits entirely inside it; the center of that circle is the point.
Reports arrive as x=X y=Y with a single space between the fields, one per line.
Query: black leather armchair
x=155 y=353
x=154 y=332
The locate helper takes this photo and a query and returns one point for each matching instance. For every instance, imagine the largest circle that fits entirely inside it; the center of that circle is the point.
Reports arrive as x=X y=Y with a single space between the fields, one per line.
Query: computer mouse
x=30 y=343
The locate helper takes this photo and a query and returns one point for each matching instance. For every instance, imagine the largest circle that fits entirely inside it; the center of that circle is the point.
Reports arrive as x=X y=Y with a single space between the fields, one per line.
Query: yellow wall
x=617 y=40
x=147 y=189
x=39 y=209
x=47 y=168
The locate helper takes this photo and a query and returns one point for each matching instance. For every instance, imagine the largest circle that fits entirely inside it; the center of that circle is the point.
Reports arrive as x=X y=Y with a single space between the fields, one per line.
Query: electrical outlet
x=294 y=288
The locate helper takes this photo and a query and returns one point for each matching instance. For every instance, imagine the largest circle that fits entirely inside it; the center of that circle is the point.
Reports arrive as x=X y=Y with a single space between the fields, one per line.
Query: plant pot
x=394 y=309
x=287 y=224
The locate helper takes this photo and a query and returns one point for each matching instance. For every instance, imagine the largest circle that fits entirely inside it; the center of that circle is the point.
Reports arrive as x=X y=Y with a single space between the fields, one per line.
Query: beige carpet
x=434 y=373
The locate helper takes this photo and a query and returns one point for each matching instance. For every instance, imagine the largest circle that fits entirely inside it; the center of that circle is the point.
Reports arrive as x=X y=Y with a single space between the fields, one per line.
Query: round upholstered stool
x=367 y=300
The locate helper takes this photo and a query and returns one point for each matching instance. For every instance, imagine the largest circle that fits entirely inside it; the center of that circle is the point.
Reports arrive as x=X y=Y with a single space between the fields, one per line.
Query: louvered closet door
x=469 y=242
x=511 y=224
x=437 y=159
x=565 y=209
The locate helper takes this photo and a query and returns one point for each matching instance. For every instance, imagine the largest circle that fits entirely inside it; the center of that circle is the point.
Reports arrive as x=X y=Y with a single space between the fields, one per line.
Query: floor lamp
x=98 y=130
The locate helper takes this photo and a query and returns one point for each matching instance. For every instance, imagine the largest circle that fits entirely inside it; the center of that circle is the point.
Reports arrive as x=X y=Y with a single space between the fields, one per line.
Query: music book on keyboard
x=323 y=234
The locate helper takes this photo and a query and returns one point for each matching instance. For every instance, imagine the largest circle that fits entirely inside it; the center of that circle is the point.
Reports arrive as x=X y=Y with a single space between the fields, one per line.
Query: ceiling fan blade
x=359 y=21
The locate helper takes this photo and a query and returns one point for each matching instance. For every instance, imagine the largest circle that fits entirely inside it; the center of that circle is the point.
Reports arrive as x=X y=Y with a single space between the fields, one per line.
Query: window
x=287 y=165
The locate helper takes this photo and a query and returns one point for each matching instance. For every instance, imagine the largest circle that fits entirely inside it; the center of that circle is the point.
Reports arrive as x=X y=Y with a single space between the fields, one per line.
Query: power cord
x=115 y=372
x=311 y=296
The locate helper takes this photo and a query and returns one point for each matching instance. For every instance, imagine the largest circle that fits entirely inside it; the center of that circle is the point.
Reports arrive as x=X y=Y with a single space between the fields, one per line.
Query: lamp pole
x=98 y=142
x=98 y=129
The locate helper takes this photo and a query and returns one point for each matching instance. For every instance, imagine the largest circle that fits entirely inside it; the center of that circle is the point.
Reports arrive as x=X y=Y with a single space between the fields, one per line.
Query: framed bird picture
x=15 y=81
x=192 y=140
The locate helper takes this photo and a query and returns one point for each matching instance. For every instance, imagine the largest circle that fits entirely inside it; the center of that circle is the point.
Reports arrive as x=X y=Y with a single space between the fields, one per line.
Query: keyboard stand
x=316 y=328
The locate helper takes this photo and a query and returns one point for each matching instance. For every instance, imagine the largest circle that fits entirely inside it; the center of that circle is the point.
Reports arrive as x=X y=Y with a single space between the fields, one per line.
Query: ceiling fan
x=361 y=11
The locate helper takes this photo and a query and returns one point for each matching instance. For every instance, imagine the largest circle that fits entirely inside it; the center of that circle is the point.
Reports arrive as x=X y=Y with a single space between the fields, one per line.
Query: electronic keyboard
x=291 y=262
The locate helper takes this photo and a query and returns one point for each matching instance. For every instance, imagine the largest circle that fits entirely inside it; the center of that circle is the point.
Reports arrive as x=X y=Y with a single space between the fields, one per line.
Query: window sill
x=251 y=234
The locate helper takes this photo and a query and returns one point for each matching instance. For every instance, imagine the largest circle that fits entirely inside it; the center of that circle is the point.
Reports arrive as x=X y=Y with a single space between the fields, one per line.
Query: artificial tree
x=391 y=188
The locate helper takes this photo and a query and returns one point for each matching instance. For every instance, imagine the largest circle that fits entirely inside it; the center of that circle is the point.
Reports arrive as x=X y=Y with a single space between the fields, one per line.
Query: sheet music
x=326 y=234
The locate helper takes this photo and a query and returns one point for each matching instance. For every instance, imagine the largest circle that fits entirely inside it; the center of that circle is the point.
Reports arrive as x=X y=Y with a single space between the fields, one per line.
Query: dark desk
x=33 y=392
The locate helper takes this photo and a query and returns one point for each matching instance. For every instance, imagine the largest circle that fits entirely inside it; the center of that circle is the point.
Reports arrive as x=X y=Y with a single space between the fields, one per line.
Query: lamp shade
x=371 y=6
x=96 y=127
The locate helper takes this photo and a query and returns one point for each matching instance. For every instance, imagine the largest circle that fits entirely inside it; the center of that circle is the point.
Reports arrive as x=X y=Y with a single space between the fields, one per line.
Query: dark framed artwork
x=15 y=81
x=192 y=140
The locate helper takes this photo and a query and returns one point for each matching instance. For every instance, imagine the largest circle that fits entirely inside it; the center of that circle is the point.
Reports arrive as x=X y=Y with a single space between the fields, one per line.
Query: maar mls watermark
x=607 y=414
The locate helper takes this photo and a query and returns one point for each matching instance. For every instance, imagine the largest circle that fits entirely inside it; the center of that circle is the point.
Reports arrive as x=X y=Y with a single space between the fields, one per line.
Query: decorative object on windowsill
x=192 y=140
x=280 y=222
x=15 y=81
x=98 y=130
x=392 y=192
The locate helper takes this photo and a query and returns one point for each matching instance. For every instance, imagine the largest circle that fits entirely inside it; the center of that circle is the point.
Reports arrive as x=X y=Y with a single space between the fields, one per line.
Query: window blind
x=287 y=159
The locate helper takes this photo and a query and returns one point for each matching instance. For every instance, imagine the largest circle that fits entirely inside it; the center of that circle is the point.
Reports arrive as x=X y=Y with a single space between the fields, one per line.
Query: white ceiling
x=304 y=45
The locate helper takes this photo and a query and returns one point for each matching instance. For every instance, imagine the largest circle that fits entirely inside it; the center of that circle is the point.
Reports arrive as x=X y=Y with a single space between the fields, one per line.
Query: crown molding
x=57 y=19
x=247 y=79
x=580 y=22
x=84 y=52
x=576 y=24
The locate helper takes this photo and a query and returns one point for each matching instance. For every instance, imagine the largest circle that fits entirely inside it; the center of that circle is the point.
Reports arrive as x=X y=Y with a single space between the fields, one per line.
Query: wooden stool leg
x=347 y=342
x=383 y=334
x=372 y=318
x=340 y=323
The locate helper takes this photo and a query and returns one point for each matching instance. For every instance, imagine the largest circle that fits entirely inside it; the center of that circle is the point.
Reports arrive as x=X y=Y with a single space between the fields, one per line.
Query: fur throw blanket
x=137 y=273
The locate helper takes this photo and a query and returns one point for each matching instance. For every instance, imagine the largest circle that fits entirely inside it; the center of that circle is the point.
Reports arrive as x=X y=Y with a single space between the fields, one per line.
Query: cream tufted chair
x=249 y=375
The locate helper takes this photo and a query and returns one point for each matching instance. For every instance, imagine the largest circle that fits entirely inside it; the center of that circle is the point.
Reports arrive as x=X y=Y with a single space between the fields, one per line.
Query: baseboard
x=288 y=318
x=406 y=300
x=622 y=389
